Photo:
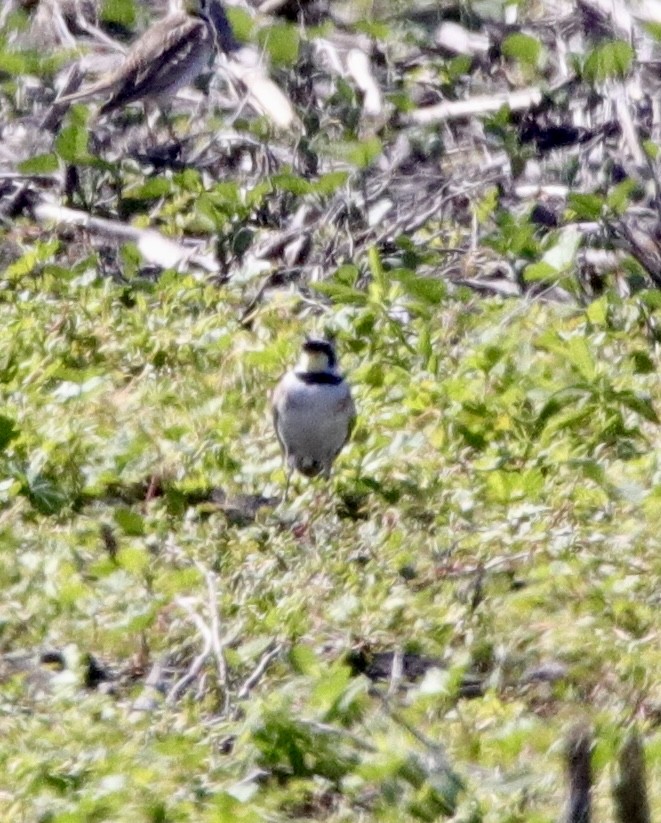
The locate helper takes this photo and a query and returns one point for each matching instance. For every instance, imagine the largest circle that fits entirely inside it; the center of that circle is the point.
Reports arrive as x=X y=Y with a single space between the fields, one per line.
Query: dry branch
x=579 y=774
x=271 y=654
x=476 y=106
x=630 y=789
x=154 y=247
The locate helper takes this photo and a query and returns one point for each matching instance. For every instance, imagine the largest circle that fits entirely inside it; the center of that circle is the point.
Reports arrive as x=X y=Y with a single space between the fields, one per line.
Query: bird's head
x=318 y=355
x=214 y=12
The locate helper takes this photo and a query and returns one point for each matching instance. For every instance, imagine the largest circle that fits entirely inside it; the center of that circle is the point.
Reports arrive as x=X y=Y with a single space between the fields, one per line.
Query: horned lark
x=169 y=55
x=313 y=411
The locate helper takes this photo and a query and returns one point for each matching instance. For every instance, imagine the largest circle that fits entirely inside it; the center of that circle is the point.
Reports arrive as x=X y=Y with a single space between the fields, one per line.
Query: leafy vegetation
x=498 y=510
x=414 y=639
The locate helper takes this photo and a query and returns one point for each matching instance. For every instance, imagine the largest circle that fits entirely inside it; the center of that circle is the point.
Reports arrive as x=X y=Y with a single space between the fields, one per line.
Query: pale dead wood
x=459 y=40
x=476 y=106
x=438 y=159
x=272 y=653
x=154 y=247
x=247 y=66
x=200 y=659
x=217 y=642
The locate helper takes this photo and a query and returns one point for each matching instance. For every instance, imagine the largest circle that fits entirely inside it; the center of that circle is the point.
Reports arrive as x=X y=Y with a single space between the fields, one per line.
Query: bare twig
x=396 y=671
x=216 y=642
x=482 y=105
x=336 y=731
x=272 y=652
x=196 y=666
x=490 y=565
x=436 y=749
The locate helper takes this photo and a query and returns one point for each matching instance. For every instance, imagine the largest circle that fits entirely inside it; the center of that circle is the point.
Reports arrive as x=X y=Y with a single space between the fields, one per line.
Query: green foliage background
x=497 y=512
x=519 y=439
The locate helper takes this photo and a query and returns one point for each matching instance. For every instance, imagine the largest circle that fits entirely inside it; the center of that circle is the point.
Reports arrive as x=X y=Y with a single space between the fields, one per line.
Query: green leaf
x=459 y=67
x=597 y=311
x=288 y=181
x=378 y=271
x=640 y=404
x=524 y=48
x=506 y=486
x=304 y=660
x=610 y=60
x=242 y=241
x=341 y=294
x=119 y=12
x=152 y=189
x=40 y=253
x=643 y=363
x=651 y=298
x=282 y=43
x=135 y=559
x=654 y=29
x=46 y=495
x=14 y=63
x=242 y=23
x=360 y=154
x=130 y=522
x=556 y=407
x=376 y=29
x=8 y=430
x=330 y=688
x=581 y=358
x=539 y=271
x=329 y=183
x=72 y=141
x=341 y=288
x=41 y=164
x=619 y=198
x=487 y=204
x=429 y=290
x=586 y=206
x=651 y=149
x=592 y=470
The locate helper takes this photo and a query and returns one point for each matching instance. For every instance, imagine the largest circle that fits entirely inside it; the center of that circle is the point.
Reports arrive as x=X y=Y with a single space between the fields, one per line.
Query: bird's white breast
x=313 y=418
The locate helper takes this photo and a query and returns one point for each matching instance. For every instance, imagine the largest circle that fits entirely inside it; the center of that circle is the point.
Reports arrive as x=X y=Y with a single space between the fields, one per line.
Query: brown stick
x=630 y=789
x=577 y=754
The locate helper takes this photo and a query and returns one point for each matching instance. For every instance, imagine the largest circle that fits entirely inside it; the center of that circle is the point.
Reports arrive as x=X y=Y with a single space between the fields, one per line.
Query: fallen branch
x=217 y=644
x=484 y=104
x=152 y=245
x=265 y=661
x=196 y=666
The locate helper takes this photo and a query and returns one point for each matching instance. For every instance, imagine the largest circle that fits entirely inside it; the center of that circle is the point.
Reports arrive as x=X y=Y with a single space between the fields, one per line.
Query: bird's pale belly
x=313 y=432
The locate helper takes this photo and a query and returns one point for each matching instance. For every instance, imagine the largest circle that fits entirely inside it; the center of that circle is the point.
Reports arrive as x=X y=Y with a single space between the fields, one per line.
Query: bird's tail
x=309 y=468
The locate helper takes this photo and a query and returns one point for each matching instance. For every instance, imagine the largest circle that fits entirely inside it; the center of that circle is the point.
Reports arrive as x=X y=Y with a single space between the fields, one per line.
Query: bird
x=313 y=411
x=170 y=54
